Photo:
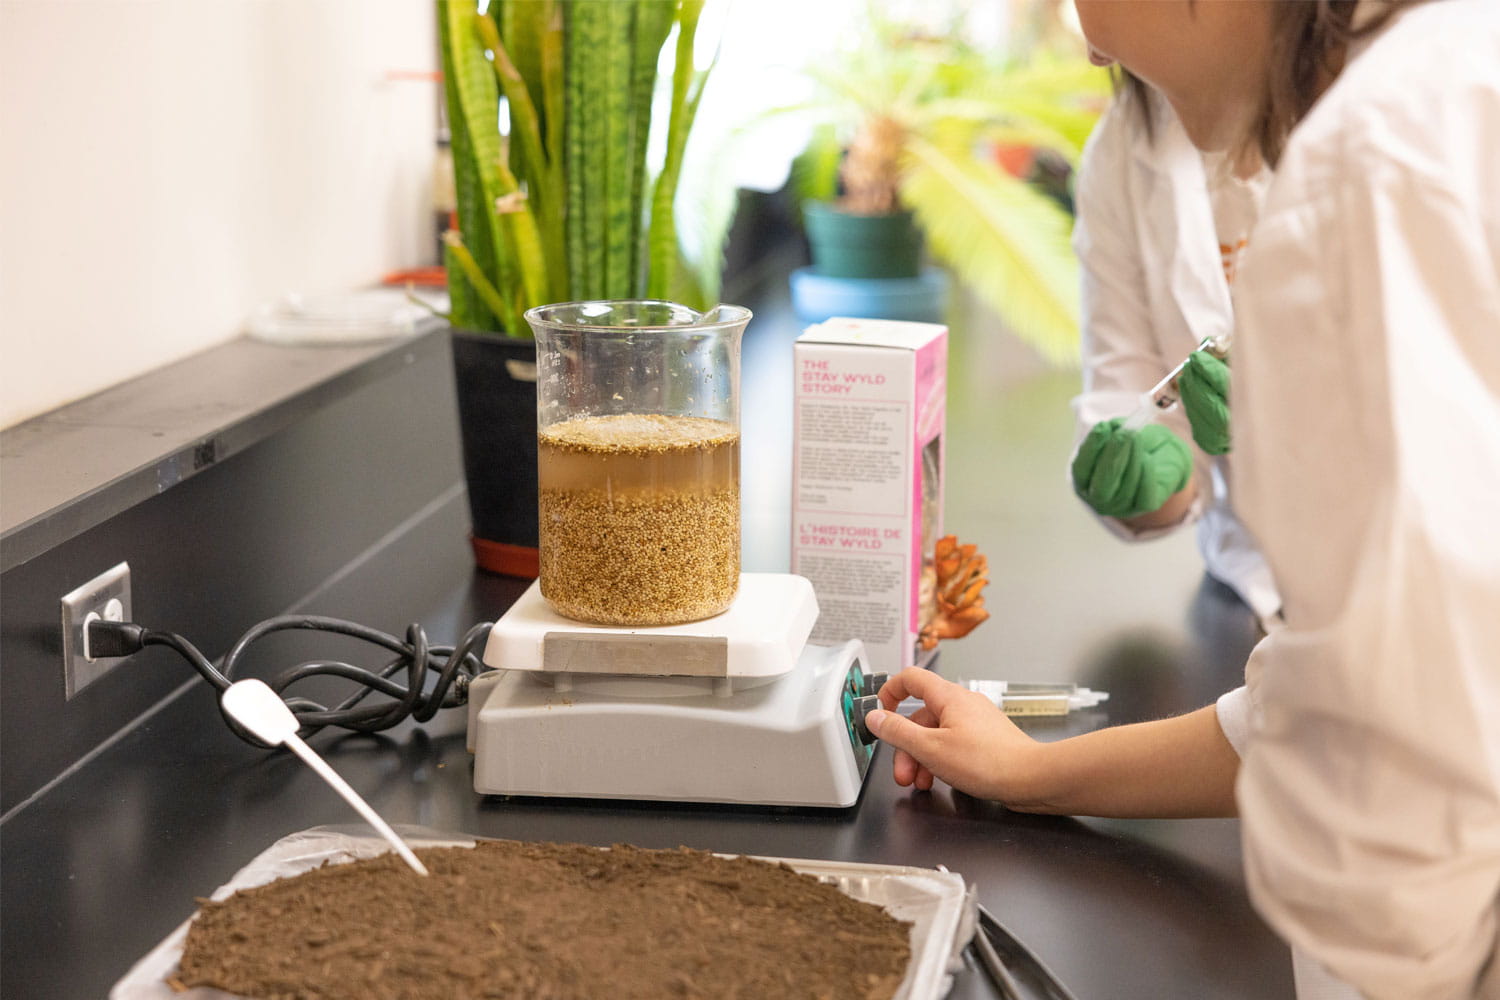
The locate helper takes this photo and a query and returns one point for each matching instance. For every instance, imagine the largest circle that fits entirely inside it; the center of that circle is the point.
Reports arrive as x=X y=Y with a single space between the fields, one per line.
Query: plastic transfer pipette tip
x=259 y=709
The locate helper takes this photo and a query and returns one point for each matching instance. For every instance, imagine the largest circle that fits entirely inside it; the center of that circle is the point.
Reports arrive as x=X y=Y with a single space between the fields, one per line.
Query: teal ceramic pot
x=862 y=246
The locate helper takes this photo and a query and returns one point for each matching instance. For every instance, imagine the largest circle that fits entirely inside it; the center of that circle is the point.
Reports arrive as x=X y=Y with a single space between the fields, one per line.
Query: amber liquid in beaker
x=640 y=518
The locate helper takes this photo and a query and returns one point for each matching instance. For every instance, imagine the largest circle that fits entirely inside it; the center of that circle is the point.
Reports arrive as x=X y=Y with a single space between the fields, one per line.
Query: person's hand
x=1124 y=473
x=1204 y=389
x=958 y=735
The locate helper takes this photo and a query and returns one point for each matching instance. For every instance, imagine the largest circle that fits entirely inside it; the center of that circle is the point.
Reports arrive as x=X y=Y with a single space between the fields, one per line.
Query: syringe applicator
x=1026 y=698
x=1162 y=397
x=1014 y=698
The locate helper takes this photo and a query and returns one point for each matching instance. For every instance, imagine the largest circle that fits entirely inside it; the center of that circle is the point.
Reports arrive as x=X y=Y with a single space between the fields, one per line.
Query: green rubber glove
x=1122 y=473
x=1204 y=389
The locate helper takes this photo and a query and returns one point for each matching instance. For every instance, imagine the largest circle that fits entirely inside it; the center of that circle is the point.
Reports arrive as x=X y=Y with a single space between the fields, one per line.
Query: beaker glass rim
x=576 y=316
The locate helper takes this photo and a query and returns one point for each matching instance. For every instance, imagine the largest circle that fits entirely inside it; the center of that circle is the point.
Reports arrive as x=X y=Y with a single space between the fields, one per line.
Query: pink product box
x=867 y=480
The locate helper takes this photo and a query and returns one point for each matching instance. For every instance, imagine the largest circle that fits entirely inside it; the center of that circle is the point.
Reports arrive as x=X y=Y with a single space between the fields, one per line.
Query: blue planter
x=817 y=297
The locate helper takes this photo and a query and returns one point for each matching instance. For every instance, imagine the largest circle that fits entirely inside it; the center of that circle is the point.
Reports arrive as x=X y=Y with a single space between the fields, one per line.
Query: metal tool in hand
x=259 y=709
x=1163 y=396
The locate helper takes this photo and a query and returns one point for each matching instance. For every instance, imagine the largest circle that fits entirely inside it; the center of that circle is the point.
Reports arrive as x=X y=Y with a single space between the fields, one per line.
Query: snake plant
x=561 y=205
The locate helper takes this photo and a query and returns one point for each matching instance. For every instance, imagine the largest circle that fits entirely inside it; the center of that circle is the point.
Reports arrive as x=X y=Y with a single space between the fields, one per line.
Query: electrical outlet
x=106 y=596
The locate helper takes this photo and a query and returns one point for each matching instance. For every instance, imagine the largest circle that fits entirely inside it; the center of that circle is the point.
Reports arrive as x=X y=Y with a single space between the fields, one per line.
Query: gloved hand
x=1123 y=473
x=1203 y=387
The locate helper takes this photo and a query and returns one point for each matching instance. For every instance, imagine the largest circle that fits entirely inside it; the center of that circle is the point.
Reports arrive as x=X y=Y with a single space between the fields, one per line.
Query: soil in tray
x=546 y=922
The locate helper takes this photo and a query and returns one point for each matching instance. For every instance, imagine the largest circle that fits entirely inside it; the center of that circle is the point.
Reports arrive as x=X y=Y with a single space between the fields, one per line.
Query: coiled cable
x=414 y=657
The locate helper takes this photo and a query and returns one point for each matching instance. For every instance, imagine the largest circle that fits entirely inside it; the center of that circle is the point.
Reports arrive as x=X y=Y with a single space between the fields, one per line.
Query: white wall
x=167 y=164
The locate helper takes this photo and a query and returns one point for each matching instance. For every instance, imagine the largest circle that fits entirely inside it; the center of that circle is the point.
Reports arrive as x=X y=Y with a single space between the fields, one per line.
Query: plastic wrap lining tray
x=934 y=901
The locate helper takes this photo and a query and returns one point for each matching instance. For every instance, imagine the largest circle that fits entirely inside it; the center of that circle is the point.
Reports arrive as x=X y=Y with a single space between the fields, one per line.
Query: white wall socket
x=106 y=596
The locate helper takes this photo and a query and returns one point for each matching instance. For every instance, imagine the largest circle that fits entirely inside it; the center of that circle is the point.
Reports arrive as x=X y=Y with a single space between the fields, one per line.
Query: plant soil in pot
x=509 y=919
x=495 y=379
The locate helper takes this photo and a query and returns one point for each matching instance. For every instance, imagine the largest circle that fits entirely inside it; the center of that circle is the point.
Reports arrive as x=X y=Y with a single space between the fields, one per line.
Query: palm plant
x=914 y=122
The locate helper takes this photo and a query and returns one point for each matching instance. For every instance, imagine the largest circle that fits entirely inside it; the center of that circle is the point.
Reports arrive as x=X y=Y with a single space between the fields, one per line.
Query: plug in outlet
x=106 y=596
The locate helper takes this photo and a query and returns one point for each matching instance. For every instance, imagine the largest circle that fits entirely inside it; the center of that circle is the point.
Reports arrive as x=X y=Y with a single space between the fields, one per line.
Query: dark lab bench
x=105 y=862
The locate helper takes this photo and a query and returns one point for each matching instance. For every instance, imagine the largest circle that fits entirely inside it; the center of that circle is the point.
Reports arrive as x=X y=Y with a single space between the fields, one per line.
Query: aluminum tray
x=941 y=911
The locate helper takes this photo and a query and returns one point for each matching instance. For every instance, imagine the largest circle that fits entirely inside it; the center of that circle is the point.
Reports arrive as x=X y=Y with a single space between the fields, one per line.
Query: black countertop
x=107 y=861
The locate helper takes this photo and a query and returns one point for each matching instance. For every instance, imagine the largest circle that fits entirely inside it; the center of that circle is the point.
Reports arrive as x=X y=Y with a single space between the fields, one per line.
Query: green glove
x=1204 y=389
x=1122 y=473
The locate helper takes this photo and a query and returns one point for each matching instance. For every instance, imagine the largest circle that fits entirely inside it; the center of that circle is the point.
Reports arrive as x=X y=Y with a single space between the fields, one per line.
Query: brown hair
x=1129 y=87
x=1308 y=41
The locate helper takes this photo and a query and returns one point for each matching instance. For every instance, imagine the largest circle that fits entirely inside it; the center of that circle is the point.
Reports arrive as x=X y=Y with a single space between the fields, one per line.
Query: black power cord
x=414 y=657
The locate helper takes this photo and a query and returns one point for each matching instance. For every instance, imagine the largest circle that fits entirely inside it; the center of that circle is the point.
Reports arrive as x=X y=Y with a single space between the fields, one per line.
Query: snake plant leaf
x=522 y=24
x=617 y=220
x=464 y=306
x=663 y=248
x=588 y=47
x=473 y=103
x=526 y=128
x=544 y=191
x=560 y=206
x=1008 y=242
x=455 y=250
x=653 y=24
x=523 y=240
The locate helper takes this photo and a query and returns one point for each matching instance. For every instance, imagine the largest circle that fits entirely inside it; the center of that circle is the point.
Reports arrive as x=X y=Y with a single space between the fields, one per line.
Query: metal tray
x=936 y=902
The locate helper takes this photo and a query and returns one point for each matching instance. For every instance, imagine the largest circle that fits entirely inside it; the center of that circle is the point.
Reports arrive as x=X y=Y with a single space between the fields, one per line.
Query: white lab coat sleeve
x=1120 y=355
x=1233 y=712
x=1368 y=437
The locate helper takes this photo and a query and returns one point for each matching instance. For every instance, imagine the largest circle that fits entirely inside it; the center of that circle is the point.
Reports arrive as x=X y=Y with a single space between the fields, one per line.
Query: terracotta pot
x=496 y=381
x=1015 y=160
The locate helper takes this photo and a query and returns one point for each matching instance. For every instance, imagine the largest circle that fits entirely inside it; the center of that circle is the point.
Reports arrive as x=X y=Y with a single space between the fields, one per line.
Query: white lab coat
x=1153 y=287
x=1367 y=438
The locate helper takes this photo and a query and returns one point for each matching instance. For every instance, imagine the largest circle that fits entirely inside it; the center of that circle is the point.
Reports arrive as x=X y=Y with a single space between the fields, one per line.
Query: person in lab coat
x=1367 y=443
x=1161 y=227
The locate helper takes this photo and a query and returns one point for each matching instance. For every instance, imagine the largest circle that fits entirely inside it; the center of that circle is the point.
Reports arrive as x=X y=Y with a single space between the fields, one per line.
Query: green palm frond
x=1056 y=126
x=1007 y=242
x=1065 y=80
x=815 y=171
x=1071 y=124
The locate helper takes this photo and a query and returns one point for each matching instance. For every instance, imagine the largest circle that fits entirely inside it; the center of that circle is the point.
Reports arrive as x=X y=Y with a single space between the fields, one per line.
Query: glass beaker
x=638 y=459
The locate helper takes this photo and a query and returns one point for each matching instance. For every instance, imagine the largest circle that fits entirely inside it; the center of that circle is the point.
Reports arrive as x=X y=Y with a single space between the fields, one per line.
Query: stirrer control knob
x=862 y=707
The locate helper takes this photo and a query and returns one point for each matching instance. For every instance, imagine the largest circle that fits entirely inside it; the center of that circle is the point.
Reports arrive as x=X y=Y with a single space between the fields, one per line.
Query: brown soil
x=546 y=922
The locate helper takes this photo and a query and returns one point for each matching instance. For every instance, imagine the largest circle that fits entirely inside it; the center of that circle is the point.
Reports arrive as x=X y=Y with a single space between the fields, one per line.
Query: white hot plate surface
x=760 y=636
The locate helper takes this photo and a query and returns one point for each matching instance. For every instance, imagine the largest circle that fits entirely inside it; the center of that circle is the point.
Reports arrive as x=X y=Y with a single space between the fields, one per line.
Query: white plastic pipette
x=255 y=706
x=1162 y=397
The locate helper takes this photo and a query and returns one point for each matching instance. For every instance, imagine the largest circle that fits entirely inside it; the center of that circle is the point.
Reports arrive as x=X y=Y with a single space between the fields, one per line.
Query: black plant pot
x=496 y=382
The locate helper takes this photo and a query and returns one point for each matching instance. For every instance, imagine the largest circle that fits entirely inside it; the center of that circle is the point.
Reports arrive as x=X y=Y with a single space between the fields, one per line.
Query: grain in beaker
x=640 y=518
